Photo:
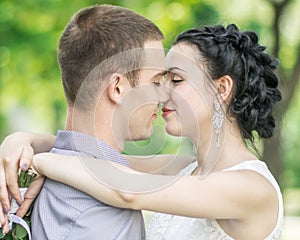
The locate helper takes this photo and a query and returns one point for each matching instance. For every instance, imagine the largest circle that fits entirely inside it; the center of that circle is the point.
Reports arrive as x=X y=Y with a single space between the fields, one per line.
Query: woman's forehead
x=182 y=56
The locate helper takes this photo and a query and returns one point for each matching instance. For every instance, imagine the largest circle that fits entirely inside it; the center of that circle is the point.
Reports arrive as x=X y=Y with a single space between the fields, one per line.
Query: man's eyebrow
x=162 y=73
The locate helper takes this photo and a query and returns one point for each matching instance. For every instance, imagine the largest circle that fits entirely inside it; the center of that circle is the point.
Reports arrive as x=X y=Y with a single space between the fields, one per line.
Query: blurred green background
x=31 y=95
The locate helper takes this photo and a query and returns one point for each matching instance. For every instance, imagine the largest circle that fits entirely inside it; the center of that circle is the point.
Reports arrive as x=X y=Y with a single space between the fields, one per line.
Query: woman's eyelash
x=176 y=80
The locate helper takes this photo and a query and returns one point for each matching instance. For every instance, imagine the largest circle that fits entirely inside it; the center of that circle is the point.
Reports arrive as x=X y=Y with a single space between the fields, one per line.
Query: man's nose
x=164 y=93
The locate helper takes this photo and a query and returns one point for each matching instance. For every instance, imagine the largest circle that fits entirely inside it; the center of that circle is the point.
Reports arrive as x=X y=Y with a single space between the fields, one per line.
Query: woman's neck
x=232 y=149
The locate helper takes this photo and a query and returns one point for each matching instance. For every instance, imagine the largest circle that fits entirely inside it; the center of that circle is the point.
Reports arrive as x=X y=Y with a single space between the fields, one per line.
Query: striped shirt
x=64 y=213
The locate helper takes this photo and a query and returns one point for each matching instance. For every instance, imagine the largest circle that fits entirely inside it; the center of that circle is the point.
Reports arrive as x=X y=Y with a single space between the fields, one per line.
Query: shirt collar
x=89 y=145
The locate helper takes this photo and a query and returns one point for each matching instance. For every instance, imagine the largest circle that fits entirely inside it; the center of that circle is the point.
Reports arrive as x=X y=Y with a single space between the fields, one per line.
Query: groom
x=109 y=57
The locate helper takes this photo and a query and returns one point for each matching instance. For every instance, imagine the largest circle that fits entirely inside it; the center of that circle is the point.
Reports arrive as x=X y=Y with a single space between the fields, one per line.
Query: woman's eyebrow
x=175 y=68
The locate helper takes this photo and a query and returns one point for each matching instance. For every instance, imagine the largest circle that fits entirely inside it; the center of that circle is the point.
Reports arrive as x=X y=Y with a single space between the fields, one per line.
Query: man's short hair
x=90 y=43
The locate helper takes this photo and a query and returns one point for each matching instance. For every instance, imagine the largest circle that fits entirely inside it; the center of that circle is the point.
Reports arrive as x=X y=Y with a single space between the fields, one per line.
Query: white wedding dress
x=172 y=227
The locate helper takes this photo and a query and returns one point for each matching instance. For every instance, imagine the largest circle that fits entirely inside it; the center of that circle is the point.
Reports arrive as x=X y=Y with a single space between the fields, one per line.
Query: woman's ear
x=116 y=88
x=224 y=87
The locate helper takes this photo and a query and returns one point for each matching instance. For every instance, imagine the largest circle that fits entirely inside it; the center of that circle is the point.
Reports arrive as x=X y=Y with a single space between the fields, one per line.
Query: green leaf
x=21 y=179
x=8 y=236
x=20 y=232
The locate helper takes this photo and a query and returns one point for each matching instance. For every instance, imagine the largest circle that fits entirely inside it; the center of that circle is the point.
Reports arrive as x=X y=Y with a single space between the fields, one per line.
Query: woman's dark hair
x=228 y=51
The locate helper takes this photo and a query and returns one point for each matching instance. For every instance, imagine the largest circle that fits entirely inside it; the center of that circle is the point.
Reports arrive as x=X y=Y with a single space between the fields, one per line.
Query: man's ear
x=117 y=87
x=224 y=87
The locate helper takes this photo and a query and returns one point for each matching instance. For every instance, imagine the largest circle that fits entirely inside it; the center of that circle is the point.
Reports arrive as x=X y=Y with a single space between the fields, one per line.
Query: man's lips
x=166 y=111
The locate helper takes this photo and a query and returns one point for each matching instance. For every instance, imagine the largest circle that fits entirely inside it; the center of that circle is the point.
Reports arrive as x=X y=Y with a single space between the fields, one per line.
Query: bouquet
x=18 y=232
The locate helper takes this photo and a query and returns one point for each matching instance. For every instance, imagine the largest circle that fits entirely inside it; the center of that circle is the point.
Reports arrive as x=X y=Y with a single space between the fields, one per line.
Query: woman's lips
x=166 y=111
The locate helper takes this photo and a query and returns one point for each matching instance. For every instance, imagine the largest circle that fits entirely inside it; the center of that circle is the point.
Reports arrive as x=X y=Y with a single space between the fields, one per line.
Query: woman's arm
x=42 y=142
x=22 y=145
x=16 y=151
x=220 y=195
x=164 y=164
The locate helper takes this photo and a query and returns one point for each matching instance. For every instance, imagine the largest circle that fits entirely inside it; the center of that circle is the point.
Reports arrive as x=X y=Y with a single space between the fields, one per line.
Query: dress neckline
x=191 y=168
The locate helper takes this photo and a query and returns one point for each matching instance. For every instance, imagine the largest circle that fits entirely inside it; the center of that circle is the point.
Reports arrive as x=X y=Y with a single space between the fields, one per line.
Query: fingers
x=31 y=193
x=15 y=151
x=35 y=187
x=4 y=201
x=9 y=173
x=4 y=198
x=5 y=228
x=24 y=207
x=11 y=179
x=4 y=221
x=26 y=157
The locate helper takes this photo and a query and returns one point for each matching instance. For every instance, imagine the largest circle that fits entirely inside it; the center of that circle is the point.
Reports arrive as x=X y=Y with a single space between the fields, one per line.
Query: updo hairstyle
x=228 y=51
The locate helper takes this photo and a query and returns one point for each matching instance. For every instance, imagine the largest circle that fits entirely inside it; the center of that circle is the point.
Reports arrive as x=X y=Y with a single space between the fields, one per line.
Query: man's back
x=62 y=212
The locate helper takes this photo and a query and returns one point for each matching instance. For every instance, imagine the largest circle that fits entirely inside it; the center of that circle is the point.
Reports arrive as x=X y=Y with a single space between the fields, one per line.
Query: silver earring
x=217 y=120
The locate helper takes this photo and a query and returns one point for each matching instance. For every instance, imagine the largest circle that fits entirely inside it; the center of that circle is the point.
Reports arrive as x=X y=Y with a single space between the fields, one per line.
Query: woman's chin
x=173 y=130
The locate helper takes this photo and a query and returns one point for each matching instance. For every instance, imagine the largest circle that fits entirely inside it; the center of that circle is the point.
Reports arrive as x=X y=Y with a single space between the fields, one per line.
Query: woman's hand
x=4 y=220
x=16 y=151
x=31 y=193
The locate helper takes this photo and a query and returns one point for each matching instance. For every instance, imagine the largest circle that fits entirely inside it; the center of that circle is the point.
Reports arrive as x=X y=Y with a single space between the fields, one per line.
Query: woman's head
x=231 y=54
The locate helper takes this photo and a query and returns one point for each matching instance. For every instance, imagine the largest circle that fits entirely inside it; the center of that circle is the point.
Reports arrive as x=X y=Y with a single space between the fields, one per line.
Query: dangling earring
x=217 y=120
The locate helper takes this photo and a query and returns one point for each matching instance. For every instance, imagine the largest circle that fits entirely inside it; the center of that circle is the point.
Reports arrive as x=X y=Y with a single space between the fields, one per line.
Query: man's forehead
x=154 y=55
x=149 y=75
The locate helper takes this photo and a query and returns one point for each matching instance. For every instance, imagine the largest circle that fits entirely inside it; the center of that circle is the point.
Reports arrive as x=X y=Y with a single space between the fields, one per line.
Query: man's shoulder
x=67 y=210
x=59 y=196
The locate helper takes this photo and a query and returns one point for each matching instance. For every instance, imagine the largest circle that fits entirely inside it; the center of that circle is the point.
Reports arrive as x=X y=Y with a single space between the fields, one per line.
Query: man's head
x=92 y=37
x=105 y=52
x=139 y=106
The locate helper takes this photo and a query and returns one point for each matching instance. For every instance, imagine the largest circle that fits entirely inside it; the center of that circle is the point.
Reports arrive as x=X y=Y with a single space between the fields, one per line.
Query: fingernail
x=25 y=166
x=5 y=210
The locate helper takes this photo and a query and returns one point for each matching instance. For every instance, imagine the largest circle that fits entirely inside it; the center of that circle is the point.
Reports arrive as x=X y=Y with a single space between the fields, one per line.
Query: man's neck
x=101 y=128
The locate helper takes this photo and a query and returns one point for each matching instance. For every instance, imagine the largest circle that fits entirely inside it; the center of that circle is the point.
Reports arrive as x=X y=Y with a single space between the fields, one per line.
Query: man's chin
x=142 y=136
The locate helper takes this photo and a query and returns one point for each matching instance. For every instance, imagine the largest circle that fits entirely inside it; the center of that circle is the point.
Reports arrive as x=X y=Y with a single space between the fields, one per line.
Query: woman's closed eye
x=176 y=80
